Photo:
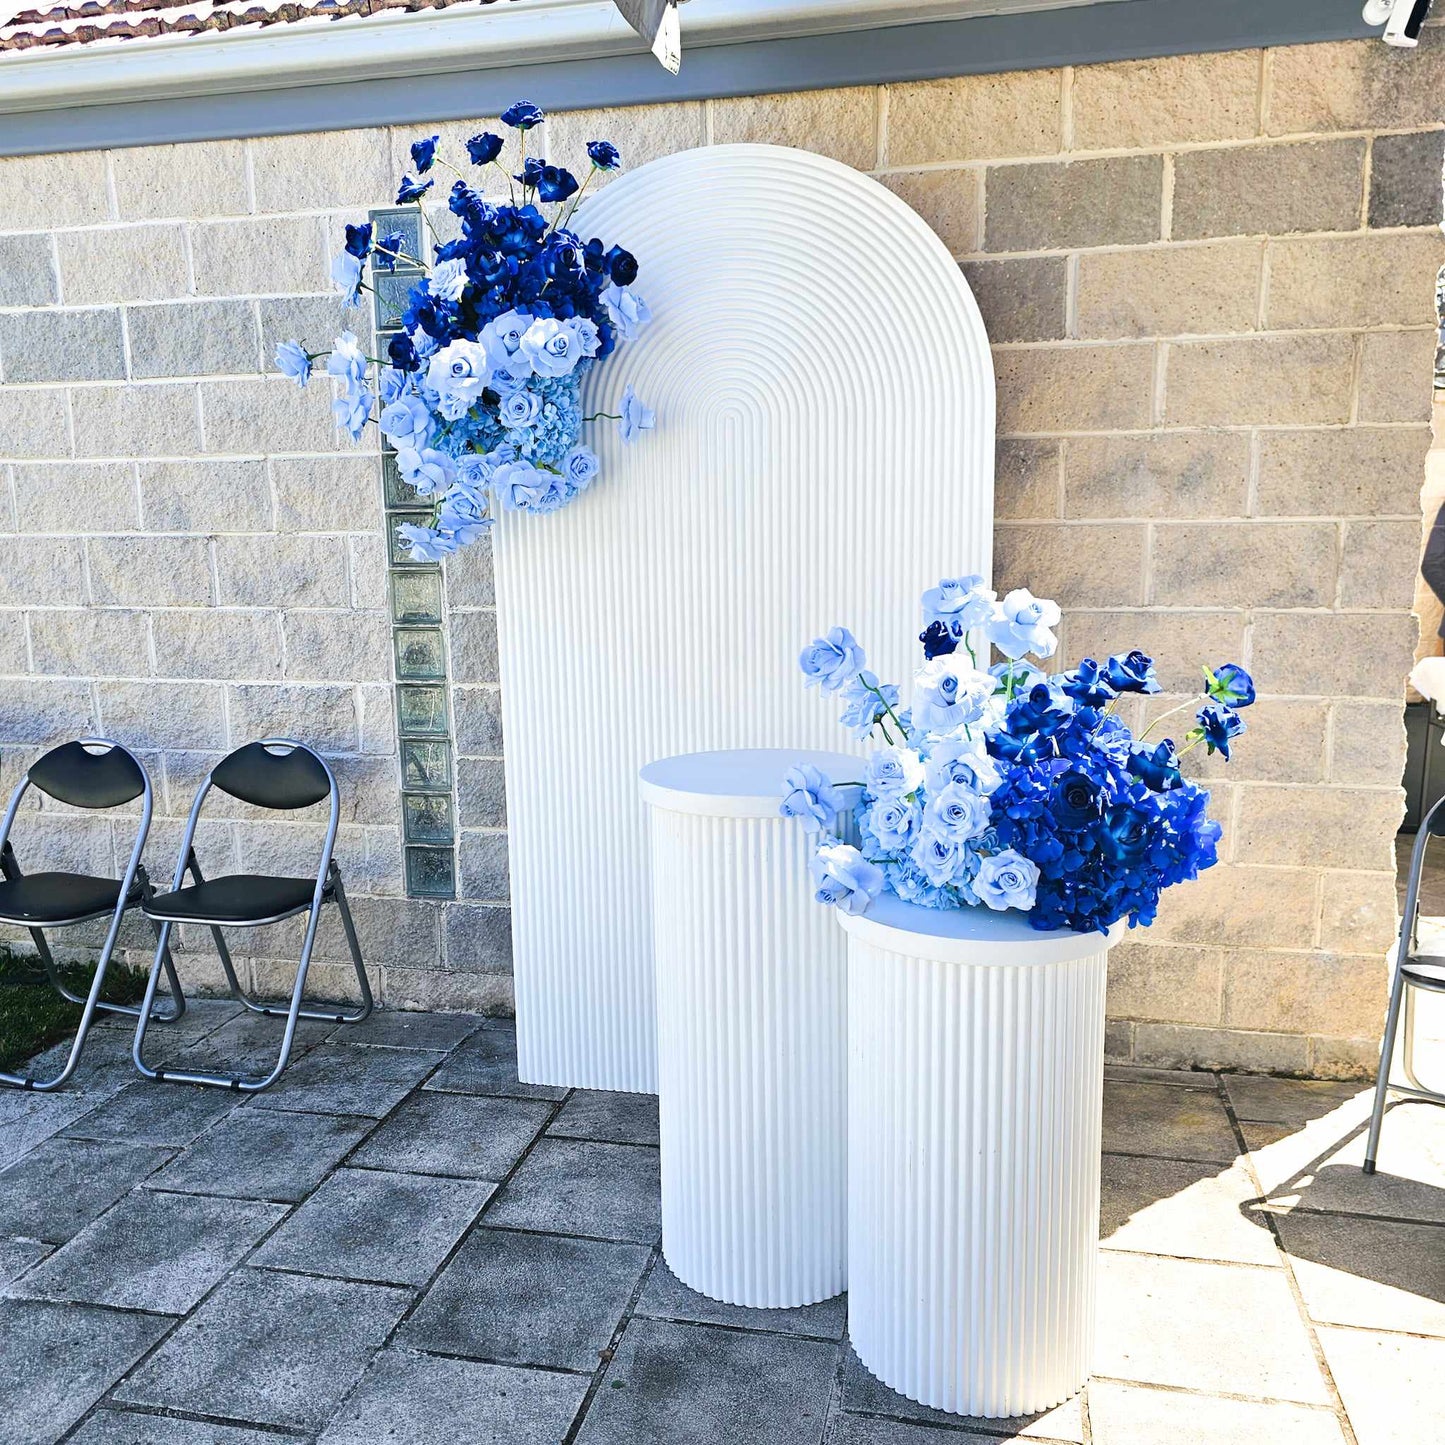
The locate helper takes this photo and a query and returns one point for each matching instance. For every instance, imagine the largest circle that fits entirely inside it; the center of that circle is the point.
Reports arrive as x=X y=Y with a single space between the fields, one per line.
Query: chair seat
x=236 y=898
x=40 y=898
x=1426 y=971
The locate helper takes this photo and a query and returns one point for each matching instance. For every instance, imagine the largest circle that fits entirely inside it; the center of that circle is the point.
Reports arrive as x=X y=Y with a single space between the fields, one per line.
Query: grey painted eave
x=1034 y=39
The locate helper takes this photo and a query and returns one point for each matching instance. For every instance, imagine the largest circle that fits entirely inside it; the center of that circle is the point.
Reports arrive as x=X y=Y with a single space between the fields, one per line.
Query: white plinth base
x=751 y=1040
x=975 y=1088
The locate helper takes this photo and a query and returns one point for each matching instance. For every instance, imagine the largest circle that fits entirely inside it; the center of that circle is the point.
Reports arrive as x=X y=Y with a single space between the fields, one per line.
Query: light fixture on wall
x=657 y=23
x=1402 y=19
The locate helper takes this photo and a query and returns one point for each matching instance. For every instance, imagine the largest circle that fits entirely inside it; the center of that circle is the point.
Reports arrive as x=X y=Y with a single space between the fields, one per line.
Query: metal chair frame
x=328 y=887
x=128 y=897
x=1406 y=979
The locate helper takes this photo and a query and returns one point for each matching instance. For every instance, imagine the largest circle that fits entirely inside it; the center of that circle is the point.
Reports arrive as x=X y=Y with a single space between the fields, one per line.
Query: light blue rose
x=589 y=338
x=833 y=661
x=426 y=471
x=844 y=877
x=941 y=859
x=463 y=514
x=894 y=821
x=960 y=603
x=425 y=543
x=473 y=470
x=394 y=384
x=1021 y=624
x=519 y=485
x=346 y=362
x=1007 y=880
x=502 y=338
x=627 y=310
x=862 y=704
x=448 y=280
x=521 y=408
x=352 y=410
x=891 y=772
x=346 y=271
x=635 y=417
x=293 y=360
x=458 y=373
x=949 y=693
x=553 y=347
x=407 y=423
x=580 y=466
x=810 y=797
x=958 y=814
x=959 y=759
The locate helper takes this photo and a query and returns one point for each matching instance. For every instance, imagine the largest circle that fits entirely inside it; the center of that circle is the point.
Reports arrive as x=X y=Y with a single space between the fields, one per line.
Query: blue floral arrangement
x=1008 y=787
x=479 y=392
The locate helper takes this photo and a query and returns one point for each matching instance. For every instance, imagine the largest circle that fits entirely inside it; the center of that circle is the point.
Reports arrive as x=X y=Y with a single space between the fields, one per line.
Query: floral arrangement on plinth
x=479 y=392
x=1008 y=787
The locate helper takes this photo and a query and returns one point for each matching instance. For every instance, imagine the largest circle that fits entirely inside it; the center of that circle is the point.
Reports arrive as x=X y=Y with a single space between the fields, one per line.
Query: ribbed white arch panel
x=823 y=451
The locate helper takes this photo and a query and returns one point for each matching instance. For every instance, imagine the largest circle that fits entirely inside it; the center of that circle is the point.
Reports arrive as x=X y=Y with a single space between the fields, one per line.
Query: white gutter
x=393 y=45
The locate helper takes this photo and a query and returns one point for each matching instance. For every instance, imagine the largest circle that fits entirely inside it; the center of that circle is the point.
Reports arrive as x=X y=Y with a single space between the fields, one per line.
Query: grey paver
x=263 y=1154
x=1260 y=1099
x=371 y=1225
x=1389 y=1383
x=528 y=1299
x=573 y=1186
x=28 y=1119
x=1166 y=1122
x=57 y=1360
x=157 y=1252
x=471 y=1138
x=270 y=1348
x=59 y=1187
x=873 y=1430
x=665 y=1297
x=400 y=1029
x=607 y=1116
x=487 y=1064
x=150 y=1113
x=245 y=1044
x=348 y=1079
x=129 y=1427
x=697 y=1384
x=17 y=1255
x=423 y=1400
x=1137 y=1415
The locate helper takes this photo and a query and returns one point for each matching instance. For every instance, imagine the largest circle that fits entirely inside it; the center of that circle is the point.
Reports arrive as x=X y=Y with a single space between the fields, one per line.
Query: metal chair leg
x=354 y=944
x=1387 y=1056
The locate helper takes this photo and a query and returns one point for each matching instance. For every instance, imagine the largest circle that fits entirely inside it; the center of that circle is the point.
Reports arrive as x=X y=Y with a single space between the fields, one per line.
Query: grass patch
x=33 y=1016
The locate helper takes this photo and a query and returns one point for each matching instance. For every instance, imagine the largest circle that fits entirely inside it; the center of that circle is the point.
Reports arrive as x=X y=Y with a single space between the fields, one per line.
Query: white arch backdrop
x=823 y=451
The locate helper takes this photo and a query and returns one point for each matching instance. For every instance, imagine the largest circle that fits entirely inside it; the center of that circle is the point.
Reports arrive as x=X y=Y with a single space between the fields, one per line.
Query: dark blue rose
x=1131 y=672
x=1218 y=723
x=1042 y=709
x=1078 y=800
x=604 y=155
x=403 y=353
x=423 y=153
x=531 y=174
x=389 y=248
x=1087 y=684
x=564 y=259
x=1230 y=684
x=522 y=115
x=411 y=190
x=485 y=148
x=556 y=184
x=1126 y=833
x=358 y=240
x=937 y=640
x=1157 y=767
x=622 y=266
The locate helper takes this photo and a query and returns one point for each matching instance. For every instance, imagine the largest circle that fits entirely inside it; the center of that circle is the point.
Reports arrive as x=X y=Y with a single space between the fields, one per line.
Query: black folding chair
x=1413 y=970
x=280 y=774
x=98 y=774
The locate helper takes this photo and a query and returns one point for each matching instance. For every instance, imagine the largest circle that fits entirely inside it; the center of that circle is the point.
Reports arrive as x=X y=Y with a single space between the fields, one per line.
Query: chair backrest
x=73 y=774
x=274 y=773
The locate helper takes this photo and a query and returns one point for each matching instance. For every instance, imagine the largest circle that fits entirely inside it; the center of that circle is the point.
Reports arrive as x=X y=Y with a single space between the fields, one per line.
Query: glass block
x=421 y=711
x=395 y=491
x=390 y=293
x=427 y=817
x=430 y=873
x=407 y=220
x=416 y=595
x=398 y=551
x=426 y=767
x=420 y=654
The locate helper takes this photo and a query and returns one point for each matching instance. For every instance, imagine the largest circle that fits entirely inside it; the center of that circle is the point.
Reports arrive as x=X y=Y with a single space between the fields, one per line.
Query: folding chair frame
x=328 y=885
x=92 y=1001
x=1402 y=996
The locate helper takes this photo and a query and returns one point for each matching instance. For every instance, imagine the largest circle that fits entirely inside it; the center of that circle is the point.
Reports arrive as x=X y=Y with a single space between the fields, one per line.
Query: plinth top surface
x=968 y=935
x=745 y=783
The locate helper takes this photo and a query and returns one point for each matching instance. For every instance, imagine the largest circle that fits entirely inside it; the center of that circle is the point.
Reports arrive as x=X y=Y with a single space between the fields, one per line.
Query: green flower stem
x=887 y=708
x=1010 y=682
x=1183 y=706
x=601 y=416
x=560 y=220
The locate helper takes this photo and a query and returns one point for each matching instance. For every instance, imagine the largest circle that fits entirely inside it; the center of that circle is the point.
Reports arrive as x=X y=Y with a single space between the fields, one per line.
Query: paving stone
x=665 y=1297
x=487 y=1064
x=250 y=1042
x=349 y=1079
x=407 y=1029
x=151 y=1113
x=17 y=1255
x=127 y=1427
x=697 y=1384
x=369 y=1225
x=1389 y=1383
x=1198 y=1326
x=28 y=1119
x=1261 y=1099
x=1370 y=1273
x=59 y=1187
x=263 y=1154
x=1165 y=1122
x=865 y=1392
x=276 y=1349
x=1135 y=1415
x=1190 y=1211
x=869 y=1430
x=57 y=1360
x=103 y=1070
x=429 y=1401
x=472 y=1138
x=528 y=1299
x=156 y=1252
x=573 y=1186
x=608 y=1116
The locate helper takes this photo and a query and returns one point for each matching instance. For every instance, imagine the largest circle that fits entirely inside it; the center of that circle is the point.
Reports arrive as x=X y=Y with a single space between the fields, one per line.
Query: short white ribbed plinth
x=975 y=1066
x=751 y=1034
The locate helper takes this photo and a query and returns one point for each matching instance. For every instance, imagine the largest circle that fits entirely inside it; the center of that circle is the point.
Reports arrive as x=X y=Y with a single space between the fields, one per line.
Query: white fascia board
x=392 y=45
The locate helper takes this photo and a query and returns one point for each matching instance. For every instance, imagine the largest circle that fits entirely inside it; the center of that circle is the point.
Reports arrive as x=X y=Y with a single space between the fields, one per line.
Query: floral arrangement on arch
x=1008 y=787
x=479 y=392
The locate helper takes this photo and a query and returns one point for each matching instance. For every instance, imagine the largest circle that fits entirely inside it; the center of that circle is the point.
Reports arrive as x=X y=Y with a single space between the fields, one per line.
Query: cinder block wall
x=1210 y=284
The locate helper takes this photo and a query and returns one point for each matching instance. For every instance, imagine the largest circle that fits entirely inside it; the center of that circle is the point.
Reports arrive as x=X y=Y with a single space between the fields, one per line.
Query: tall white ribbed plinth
x=975 y=1065
x=751 y=1033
